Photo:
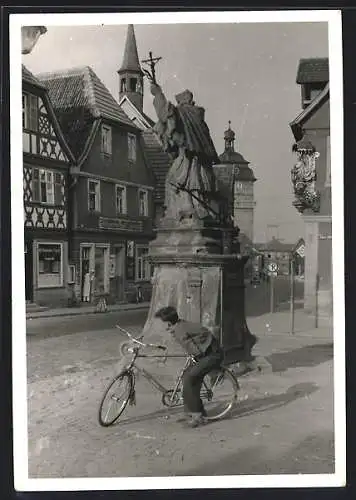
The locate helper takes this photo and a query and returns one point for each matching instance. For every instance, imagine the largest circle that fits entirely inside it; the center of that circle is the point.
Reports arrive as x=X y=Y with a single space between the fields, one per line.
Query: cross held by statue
x=151 y=62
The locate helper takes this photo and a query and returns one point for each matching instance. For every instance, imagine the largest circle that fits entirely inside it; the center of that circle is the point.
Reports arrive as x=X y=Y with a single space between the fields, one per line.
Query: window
x=328 y=163
x=106 y=140
x=131 y=147
x=120 y=199
x=123 y=85
x=47 y=187
x=143 y=267
x=94 y=196
x=50 y=265
x=133 y=84
x=29 y=112
x=143 y=203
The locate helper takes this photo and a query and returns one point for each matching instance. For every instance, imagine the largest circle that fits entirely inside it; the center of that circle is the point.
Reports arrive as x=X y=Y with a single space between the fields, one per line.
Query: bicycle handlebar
x=137 y=341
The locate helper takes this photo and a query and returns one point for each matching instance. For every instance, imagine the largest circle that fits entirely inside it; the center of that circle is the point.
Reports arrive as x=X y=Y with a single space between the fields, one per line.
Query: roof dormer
x=312 y=76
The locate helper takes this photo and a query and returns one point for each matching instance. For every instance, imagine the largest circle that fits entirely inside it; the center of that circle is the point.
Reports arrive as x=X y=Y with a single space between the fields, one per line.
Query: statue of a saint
x=190 y=188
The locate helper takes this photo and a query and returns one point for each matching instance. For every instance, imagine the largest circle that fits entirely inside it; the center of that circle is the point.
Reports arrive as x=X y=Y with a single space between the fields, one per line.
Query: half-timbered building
x=111 y=188
x=46 y=162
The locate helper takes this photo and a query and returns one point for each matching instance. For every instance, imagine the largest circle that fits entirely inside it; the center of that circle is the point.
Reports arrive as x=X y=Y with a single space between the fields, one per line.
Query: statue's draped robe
x=185 y=136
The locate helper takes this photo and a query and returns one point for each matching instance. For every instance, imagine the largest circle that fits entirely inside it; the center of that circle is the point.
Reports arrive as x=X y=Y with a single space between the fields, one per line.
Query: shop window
x=143 y=267
x=30 y=112
x=131 y=138
x=106 y=147
x=94 y=196
x=50 y=265
x=120 y=199
x=143 y=203
x=47 y=187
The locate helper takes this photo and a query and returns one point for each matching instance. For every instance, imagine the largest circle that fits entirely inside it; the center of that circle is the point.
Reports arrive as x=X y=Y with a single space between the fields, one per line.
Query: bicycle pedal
x=132 y=399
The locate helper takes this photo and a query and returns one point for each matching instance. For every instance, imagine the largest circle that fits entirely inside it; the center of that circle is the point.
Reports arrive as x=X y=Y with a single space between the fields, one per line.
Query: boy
x=201 y=343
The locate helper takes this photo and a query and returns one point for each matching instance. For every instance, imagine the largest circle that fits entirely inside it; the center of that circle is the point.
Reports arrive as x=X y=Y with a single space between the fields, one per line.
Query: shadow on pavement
x=314 y=455
x=310 y=355
x=243 y=408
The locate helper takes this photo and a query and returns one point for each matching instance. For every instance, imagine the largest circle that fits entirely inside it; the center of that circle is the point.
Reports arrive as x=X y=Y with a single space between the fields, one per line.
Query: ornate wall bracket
x=304 y=177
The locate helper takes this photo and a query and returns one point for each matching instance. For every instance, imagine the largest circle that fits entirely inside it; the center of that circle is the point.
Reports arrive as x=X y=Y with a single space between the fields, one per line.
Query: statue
x=303 y=176
x=190 y=182
x=190 y=187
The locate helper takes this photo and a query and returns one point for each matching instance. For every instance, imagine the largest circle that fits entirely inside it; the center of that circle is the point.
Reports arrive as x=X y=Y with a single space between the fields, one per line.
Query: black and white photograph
x=177 y=250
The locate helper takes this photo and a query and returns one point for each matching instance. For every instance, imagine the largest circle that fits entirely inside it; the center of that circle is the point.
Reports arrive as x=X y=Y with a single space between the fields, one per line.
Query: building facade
x=46 y=163
x=280 y=253
x=111 y=190
x=311 y=178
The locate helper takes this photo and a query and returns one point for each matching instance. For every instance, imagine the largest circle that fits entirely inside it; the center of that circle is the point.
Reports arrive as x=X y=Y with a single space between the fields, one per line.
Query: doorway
x=29 y=270
x=85 y=270
x=120 y=272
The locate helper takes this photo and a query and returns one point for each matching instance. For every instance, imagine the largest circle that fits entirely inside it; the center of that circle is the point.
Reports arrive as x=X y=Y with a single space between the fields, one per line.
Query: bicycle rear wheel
x=219 y=393
x=115 y=398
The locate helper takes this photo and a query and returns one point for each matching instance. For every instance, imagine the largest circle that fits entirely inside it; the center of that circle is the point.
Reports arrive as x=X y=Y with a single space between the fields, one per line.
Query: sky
x=243 y=72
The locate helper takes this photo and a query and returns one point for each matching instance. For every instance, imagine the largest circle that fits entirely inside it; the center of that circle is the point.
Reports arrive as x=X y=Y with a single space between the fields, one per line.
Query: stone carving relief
x=304 y=177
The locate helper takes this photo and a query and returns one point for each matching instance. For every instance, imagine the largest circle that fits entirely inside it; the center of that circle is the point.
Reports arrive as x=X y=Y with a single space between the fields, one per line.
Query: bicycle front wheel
x=115 y=399
x=219 y=393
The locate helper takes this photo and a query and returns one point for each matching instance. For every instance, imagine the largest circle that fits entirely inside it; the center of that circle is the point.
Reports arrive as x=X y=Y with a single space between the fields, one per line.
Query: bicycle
x=218 y=392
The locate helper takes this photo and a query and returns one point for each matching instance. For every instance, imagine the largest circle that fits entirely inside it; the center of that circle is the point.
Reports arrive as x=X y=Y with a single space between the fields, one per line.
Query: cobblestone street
x=264 y=434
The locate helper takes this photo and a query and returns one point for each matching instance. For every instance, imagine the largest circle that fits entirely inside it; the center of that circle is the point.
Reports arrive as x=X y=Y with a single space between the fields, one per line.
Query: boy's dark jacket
x=193 y=337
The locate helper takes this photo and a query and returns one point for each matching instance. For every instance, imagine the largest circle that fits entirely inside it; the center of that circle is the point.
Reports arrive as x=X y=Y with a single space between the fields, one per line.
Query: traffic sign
x=301 y=251
x=272 y=267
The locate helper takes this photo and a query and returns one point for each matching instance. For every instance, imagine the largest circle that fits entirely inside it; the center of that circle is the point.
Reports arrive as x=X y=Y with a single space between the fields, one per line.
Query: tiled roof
x=81 y=88
x=28 y=77
x=232 y=157
x=159 y=160
x=315 y=70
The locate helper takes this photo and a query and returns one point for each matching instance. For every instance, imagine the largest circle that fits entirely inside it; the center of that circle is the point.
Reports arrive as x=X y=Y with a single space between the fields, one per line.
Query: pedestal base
x=204 y=288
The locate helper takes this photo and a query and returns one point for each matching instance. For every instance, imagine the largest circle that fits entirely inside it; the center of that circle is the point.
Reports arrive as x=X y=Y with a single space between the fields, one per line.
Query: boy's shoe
x=196 y=420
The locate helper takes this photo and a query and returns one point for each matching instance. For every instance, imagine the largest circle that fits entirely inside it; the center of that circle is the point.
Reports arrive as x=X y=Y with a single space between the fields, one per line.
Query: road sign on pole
x=291 y=296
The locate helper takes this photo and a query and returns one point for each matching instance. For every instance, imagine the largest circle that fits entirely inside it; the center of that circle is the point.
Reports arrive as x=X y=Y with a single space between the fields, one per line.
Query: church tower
x=243 y=180
x=130 y=73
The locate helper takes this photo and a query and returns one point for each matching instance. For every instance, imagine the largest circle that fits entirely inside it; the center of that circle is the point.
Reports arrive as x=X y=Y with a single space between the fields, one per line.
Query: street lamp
x=30 y=36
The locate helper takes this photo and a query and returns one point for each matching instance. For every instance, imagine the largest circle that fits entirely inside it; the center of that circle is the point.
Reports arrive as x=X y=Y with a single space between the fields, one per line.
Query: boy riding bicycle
x=199 y=342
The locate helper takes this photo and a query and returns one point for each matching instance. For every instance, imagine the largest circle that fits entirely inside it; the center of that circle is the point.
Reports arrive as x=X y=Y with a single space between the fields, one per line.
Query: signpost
x=291 y=274
x=272 y=269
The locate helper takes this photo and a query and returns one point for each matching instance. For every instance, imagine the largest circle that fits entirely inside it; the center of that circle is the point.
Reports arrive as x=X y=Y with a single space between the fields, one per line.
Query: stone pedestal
x=196 y=272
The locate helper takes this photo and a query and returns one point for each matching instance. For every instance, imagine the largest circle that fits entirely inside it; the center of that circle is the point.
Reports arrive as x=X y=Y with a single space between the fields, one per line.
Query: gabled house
x=47 y=159
x=311 y=178
x=111 y=190
x=131 y=96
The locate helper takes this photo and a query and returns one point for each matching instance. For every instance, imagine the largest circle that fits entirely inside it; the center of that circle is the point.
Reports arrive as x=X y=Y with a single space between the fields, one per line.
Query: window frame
x=124 y=211
x=106 y=146
x=146 y=267
x=61 y=274
x=146 y=211
x=97 y=208
x=52 y=183
x=27 y=108
x=131 y=147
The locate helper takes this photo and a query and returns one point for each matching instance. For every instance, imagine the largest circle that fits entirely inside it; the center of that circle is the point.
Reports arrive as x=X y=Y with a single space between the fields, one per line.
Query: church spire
x=130 y=72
